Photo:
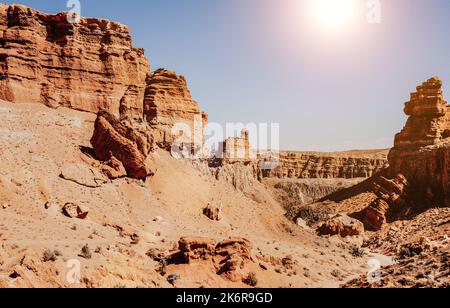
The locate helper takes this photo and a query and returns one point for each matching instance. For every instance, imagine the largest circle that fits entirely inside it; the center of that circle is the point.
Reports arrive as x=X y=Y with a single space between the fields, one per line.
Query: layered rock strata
x=328 y=166
x=91 y=66
x=419 y=162
x=422 y=149
x=172 y=112
x=118 y=141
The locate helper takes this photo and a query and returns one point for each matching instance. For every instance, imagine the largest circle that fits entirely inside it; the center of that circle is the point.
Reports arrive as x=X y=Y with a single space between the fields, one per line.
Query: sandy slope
x=38 y=143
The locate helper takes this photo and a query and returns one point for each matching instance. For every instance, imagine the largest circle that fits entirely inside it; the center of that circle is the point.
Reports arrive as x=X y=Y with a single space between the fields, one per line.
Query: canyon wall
x=346 y=165
x=422 y=149
x=167 y=102
x=92 y=66
x=89 y=66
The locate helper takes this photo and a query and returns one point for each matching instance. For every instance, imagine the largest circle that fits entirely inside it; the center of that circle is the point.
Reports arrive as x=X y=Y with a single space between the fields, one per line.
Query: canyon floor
x=133 y=225
x=44 y=168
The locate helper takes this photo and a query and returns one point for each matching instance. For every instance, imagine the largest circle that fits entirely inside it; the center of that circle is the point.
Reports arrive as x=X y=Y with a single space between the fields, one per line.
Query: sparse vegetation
x=314 y=214
x=172 y=279
x=357 y=252
x=251 y=280
x=336 y=273
x=50 y=256
x=85 y=252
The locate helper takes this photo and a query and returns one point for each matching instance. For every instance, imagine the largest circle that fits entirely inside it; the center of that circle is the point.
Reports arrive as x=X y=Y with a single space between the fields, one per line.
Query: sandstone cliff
x=167 y=102
x=419 y=162
x=422 y=150
x=347 y=165
x=89 y=66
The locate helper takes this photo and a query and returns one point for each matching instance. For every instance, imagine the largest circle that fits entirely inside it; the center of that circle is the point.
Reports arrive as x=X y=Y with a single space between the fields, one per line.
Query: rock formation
x=391 y=198
x=420 y=160
x=90 y=66
x=168 y=102
x=422 y=150
x=327 y=166
x=118 y=140
x=229 y=257
x=75 y=211
x=213 y=213
x=341 y=225
x=236 y=149
x=428 y=122
x=195 y=248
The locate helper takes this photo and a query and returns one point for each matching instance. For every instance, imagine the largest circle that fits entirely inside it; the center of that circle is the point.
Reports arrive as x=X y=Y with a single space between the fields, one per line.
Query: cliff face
x=422 y=150
x=346 y=165
x=167 y=102
x=419 y=162
x=86 y=66
x=90 y=66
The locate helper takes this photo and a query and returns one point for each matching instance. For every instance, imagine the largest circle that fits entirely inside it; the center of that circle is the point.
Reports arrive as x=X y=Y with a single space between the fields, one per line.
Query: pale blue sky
x=260 y=61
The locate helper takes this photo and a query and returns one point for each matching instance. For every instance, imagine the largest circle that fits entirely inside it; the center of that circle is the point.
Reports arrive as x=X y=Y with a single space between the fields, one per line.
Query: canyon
x=88 y=173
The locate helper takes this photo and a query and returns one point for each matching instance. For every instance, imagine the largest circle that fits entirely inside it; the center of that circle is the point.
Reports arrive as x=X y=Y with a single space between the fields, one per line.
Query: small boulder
x=75 y=211
x=212 y=213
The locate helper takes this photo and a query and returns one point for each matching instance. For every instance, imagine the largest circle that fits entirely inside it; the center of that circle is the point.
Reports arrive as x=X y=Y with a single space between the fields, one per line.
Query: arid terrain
x=91 y=194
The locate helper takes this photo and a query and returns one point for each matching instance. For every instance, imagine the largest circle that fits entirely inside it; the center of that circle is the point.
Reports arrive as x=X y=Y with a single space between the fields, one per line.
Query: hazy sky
x=268 y=61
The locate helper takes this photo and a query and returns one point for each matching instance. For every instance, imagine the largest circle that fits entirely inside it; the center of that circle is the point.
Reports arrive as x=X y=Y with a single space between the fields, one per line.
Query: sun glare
x=333 y=15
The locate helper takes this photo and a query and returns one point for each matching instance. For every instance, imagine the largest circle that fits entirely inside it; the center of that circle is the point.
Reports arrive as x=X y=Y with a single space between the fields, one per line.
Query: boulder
x=231 y=258
x=341 y=225
x=228 y=257
x=75 y=211
x=119 y=139
x=212 y=212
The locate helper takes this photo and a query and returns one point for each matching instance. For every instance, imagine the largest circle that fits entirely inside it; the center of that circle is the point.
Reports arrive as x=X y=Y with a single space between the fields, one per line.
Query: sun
x=333 y=15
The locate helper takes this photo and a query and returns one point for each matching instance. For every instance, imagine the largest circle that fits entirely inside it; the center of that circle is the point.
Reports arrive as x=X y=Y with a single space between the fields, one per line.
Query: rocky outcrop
x=391 y=195
x=422 y=149
x=229 y=257
x=328 y=166
x=90 y=65
x=168 y=102
x=419 y=161
x=119 y=140
x=195 y=248
x=428 y=119
x=341 y=225
x=213 y=213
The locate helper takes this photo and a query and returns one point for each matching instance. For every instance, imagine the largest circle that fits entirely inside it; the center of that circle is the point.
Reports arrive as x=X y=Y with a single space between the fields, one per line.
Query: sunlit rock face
x=328 y=166
x=90 y=65
x=421 y=150
x=168 y=102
